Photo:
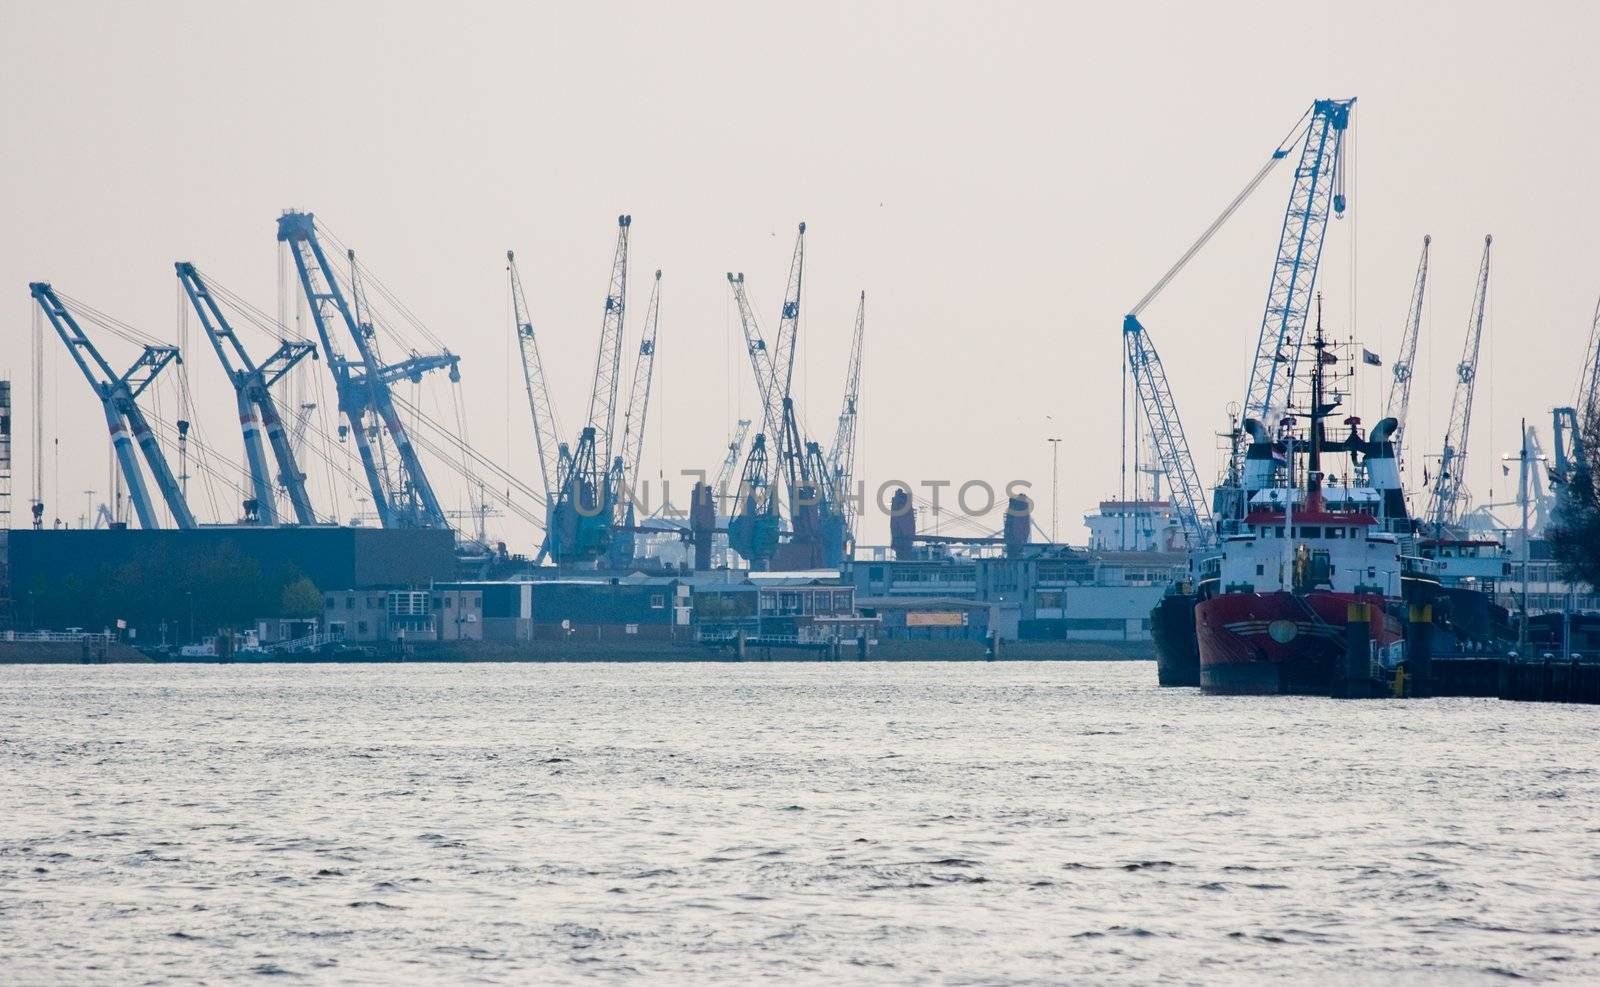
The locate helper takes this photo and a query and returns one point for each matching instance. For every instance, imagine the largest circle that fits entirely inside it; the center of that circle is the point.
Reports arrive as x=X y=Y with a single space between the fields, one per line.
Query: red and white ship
x=1309 y=550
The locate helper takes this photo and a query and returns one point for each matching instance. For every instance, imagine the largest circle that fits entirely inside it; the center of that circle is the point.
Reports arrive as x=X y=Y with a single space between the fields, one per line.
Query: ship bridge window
x=1336 y=532
x=1312 y=531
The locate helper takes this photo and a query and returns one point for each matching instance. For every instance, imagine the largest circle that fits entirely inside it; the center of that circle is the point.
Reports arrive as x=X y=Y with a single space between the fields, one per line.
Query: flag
x=1328 y=357
x=1370 y=358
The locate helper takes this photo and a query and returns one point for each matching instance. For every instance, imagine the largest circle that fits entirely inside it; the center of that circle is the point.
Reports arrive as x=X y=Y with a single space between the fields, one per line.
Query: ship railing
x=57 y=637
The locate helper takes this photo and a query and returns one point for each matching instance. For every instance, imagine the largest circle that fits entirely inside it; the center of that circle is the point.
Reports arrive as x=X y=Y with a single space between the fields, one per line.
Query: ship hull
x=1280 y=643
x=1172 y=631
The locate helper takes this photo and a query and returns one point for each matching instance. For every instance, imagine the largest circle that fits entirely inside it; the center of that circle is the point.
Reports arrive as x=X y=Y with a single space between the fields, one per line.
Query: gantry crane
x=118 y=395
x=580 y=525
x=552 y=453
x=1398 y=404
x=842 y=454
x=1445 y=500
x=362 y=384
x=258 y=413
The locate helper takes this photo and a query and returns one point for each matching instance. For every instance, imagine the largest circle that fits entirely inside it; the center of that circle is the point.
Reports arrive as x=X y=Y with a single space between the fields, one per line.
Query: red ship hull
x=1261 y=644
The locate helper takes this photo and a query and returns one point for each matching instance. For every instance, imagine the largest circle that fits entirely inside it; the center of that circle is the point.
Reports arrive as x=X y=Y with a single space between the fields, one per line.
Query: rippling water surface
x=1013 y=822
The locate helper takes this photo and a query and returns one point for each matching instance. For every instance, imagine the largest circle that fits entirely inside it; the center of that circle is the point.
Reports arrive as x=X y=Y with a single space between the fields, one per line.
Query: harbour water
x=999 y=823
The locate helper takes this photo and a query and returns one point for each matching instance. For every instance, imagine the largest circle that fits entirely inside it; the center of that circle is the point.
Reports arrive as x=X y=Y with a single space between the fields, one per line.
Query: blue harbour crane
x=1318 y=191
x=1165 y=430
x=402 y=498
x=817 y=534
x=625 y=468
x=1398 y=404
x=258 y=413
x=581 y=522
x=753 y=524
x=554 y=455
x=1446 y=500
x=118 y=394
x=1571 y=422
x=841 y=467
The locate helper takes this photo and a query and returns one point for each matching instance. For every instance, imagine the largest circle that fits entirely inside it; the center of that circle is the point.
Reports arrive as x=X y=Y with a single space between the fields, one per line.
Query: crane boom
x=1588 y=397
x=1445 y=500
x=258 y=413
x=608 y=362
x=363 y=383
x=1318 y=185
x=118 y=395
x=760 y=359
x=540 y=407
x=633 y=422
x=842 y=454
x=1166 y=433
x=730 y=462
x=1399 y=402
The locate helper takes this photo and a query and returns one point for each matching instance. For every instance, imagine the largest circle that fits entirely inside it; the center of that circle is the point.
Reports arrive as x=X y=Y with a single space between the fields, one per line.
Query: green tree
x=300 y=598
x=1574 y=531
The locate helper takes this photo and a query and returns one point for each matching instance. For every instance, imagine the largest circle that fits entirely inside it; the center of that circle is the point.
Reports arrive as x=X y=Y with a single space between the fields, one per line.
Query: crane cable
x=1278 y=154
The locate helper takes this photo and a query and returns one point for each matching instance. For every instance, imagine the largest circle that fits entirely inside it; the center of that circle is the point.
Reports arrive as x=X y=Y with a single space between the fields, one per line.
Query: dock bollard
x=1355 y=678
x=1419 y=649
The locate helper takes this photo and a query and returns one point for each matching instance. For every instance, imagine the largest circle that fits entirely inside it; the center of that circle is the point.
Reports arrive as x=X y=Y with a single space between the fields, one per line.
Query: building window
x=349 y=603
x=361 y=627
x=630 y=628
x=657 y=601
x=1261 y=570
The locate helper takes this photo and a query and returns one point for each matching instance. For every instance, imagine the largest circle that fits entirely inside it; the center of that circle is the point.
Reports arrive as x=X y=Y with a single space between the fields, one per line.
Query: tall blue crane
x=634 y=420
x=581 y=523
x=625 y=468
x=1445 y=500
x=817 y=533
x=1318 y=189
x=842 y=454
x=118 y=395
x=1571 y=423
x=1398 y=405
x=552 y=453
x=1166 y=433
x=258 y=413
x=1318 y=186
x=362 y=385
x=753 y=522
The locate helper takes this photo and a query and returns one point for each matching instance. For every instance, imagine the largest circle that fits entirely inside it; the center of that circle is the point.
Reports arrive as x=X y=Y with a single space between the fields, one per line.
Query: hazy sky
x=1004 y=180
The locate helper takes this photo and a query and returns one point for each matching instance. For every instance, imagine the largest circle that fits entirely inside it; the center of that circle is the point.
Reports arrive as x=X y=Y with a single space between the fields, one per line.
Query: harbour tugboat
x=1311 y=552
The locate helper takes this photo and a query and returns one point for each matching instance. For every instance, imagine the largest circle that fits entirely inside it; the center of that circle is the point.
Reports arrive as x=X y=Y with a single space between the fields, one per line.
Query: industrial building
x=1043 y=592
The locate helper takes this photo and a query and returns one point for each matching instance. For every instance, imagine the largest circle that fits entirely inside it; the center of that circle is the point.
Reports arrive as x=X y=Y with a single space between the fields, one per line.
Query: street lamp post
x=1055 y=480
